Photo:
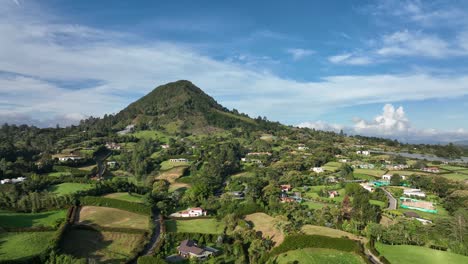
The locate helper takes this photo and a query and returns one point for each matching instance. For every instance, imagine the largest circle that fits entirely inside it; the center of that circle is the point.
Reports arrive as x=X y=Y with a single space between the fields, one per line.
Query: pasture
x=332 y=166
x=111 y=217
x=151 y=134
x=69 y=188
x=22 y=245
x=370 y=172
x=48 y=219
x=167 y=165
x=123 y=196
x=267 y=226
x=204 y=226
x=406 y=254
x=326 y=231
x=104 y=247
x=456 y=175
x=319 y=256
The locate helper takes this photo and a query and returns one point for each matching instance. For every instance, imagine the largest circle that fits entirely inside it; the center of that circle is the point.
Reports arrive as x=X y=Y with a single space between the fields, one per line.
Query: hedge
x=113 y=203
x=294 y=242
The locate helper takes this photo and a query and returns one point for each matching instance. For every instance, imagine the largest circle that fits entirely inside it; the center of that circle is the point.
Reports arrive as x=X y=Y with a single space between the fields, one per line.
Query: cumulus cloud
x=392 y=123
x=298 y=54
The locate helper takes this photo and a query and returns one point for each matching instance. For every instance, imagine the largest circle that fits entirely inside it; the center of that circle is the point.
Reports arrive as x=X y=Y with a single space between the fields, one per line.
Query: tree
x=346 y=208
x=395 y=180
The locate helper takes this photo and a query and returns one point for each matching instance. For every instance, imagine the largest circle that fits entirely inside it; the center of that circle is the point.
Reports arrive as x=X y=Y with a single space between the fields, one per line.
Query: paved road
x=392 y=202
x=149 y=249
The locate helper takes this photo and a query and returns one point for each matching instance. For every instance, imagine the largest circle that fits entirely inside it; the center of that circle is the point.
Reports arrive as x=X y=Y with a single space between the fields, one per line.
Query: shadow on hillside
x=25 y=220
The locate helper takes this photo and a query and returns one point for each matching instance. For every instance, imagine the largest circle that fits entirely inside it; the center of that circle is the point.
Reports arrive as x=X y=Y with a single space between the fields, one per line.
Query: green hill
x=180 y=106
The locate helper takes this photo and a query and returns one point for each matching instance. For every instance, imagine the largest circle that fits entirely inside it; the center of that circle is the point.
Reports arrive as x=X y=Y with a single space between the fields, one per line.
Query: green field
x=414 y=255
x=111 y=217
x=105 y=247
x=22 y=245
x=167 y=165
x=452 y=168
x=371 y=172
x=364 y=176
x=149 y=134
x=69 y=188
x=377 y=202
x=316 y=205
x=327 y=231
x=134 y=197
x=50 y=218
x=319 y=256
x=456 y=176
x=205 y=226
x=59 y=174
x=332 y=166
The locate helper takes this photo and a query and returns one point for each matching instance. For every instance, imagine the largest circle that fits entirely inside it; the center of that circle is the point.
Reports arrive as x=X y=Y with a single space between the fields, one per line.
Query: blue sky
x=337 y=65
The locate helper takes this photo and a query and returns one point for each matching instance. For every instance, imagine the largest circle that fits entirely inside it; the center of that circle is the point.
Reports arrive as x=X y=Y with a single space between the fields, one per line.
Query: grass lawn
x=415 y=255
x=205 y=226
x=452 y=168
x=149 y=134
x=111 y=217
x=21 y=245
x=379 y=203
x=456 y=176
x=167 y=165
x=371 y=172
x=332 y=166
x=106 y=247
x=267 y=226
x=364 y=176
x=316 y=205
x=408 y=173
x=319 y=256
x=326 y=231
x=31 y=220
x=134 y=197
x=59 y=174
x=69 y=188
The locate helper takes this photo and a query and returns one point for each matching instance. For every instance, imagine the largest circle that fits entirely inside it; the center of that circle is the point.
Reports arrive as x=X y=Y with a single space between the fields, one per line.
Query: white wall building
x=317 y=169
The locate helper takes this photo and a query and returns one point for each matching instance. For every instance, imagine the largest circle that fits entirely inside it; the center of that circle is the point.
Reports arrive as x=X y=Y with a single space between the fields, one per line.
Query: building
x=179 y=160
x=414 y=192
x=431 y=169
x=343 y=160
x=363 y=152
x=12 y=181
x=259 y=154
x=368 y=187
x=165 y=146
x=112 y=164
x=287 y=199
x=302 y=147
x=388 y=177
x=317 y=169
x=333 y=194
x=69 y=157
x=113 y=146
x=190 y=249
x=285 y=187
x=193 y=212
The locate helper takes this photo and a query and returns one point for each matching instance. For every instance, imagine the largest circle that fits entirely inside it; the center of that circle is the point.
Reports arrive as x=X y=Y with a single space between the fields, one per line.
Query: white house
x=113 y=146
x=193 y=212
x=111 y=164
x=363 y=152
x=165 y=146
x=343 y=160
x=318 y=169
x=14 y=180
x=368 y=187
x=178 y=160
x=414 y=192
x=69 y=157
x=388 y=177
x=301 y=147
x=431 y=169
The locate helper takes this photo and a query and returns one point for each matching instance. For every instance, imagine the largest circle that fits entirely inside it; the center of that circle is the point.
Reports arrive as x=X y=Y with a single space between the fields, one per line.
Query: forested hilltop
x=256 y=191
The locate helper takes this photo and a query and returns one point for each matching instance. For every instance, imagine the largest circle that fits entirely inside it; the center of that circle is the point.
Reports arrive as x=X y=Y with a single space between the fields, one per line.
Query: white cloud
x=298 y=54
x=392 y=123
x=350 y=59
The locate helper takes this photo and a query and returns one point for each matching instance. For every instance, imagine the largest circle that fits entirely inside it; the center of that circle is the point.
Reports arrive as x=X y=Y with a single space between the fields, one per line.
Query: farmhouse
x=285 y=187
x=317 y=169
x=193 y=212
x=431 y=169
x=178 y=160
x=190 y=249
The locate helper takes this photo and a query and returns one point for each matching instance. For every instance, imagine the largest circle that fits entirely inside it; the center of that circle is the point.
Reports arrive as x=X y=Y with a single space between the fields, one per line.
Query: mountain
x=180 y=106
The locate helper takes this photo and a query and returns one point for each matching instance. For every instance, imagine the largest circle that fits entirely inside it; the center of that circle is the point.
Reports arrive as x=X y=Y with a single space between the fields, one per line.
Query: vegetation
x=23 y=245
x=415 y=255
x=69 y=188
x=318 y=256
x=111 y=217
x=46 y=219
x=203 y=226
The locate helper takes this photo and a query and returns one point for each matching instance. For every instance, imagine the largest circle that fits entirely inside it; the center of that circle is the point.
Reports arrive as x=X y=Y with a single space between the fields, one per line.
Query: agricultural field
x=408 y=173
x=59 y=174
x=22 y=245
x=148 y=134
x=414 y=255
x=49 y=219
x=134 y=197
x=441 y=213
x=319 y=256
x=364 y=176
x=316 y=205
x=105 y=247
x=326 y=231
x=267 y=226
x=332 y=166
x=371 y=172
x=69 y=188
x=111 y=217
x=172 y=176
x=167 y=165
x=204 y=226
x=453 y=168
x=456 y=176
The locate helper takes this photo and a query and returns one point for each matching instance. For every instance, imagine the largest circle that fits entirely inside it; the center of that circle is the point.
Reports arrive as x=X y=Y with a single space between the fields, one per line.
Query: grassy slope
x=167 y=165
x=205 y=226
x=69 y=188
x=415 y=255
x=134 y=197
x=20 y=245
x=266 y=224
x=106 y=247
x=111 y=217
x=319 y=256
x=326 y=231
x=29 y=220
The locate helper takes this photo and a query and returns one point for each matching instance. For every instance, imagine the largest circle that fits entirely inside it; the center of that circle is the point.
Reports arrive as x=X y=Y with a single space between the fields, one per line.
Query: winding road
x=392 y=202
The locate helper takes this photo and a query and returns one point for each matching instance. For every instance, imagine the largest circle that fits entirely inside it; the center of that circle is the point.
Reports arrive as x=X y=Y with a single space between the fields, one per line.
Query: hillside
x=180 y=106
